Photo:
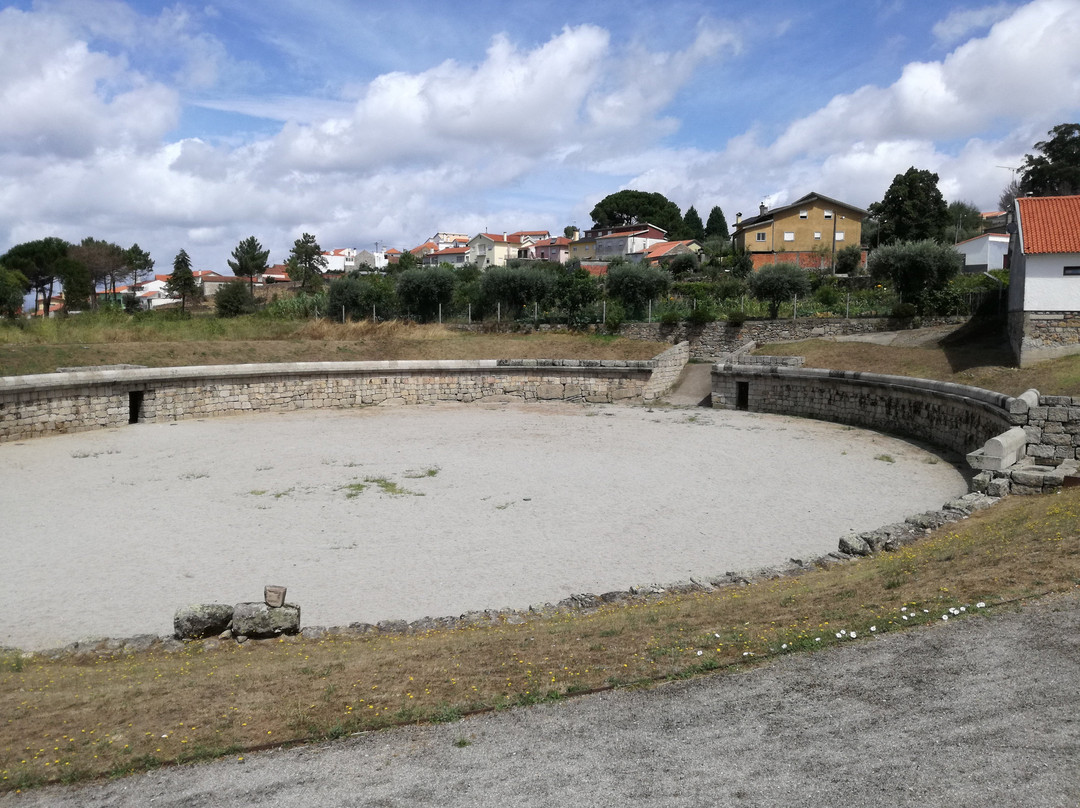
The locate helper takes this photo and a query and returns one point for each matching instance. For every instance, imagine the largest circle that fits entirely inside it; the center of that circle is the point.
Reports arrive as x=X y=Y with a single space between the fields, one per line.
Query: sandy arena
x=107 y=533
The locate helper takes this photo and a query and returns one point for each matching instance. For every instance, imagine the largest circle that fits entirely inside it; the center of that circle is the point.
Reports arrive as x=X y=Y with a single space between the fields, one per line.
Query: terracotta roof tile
x=1050 y=224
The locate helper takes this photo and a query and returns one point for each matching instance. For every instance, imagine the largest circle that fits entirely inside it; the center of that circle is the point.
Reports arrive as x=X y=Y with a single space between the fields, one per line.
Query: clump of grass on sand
x=72 y=718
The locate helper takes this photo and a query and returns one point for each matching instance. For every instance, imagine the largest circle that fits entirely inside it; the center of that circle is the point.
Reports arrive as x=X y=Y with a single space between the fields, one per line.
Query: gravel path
x=974 y=712
x=109 y=532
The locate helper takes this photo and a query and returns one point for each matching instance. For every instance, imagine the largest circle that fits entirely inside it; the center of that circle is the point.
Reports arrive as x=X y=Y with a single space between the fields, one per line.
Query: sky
x=195 y=125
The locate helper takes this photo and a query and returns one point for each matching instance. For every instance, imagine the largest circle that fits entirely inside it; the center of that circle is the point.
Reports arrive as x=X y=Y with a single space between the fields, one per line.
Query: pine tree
x=249 y=260
x=717 y=226
x=692 y=224
x=182 y=281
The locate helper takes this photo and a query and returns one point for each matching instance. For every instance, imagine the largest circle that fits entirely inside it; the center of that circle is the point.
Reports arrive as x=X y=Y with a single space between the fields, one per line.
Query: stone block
x=999 y=487
x=257 y=620
x=201 y=620
x=549 y=392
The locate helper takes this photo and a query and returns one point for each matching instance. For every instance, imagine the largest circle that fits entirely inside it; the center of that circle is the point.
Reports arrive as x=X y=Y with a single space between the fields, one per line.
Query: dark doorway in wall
x=135 y=401
x=742 y=395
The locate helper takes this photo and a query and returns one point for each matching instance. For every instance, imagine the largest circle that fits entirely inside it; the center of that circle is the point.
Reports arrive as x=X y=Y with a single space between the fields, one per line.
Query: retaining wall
x=947 y=415
x=1039 y=335
x=712 y=340
x=92 y=399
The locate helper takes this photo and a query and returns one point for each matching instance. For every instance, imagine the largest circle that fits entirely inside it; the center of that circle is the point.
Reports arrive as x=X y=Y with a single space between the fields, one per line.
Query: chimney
x=738 y=218
x=762 y=210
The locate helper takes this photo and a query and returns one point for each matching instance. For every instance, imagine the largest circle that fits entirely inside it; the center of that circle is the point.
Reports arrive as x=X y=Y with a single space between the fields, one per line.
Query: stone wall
x=1039 y=335
x=946 y=415
x=53 y=403
x=712 y=340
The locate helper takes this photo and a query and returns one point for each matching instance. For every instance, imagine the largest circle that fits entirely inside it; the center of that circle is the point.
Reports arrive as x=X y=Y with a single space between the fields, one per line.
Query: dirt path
x=974 y=712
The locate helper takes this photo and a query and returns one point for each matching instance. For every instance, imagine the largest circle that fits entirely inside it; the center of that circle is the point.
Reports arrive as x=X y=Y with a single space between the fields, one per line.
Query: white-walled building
x=1044 y=278
x=984 y=252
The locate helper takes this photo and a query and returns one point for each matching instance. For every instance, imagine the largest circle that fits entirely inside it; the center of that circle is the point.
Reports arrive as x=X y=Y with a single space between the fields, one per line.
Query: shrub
x=616 y=316
x=915 y=267
x=778 y=283
x=234 y=299
x=360 y=297
x=635 y=285
x=735 y=318
x=704 y=312
x=422 y=290
x=904 y=311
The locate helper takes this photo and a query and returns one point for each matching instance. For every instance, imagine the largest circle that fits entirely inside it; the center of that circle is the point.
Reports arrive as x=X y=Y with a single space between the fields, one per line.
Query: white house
x=1044 y=278
x=984 y=252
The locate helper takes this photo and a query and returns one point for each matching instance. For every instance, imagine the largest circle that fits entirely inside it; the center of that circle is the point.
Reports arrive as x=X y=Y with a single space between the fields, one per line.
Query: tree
x=138 y=262
x=182 y=282
x=1055 y=172
x=778 y=283
x=360 y=296
x=635 y=285
x=105 y=261
x=716 y=226
x=1009 y=194
x=849 y=260
x=912 y=208
x=406 y=260
x=575 y=289
x=629 y=207
x=13 y=288
x=965 y=221
x=568 y=231
x=234 y=299
x=422 y=290
x=514 y=287
x=306 y=262
x=38 y=262
x=692 y=225
x=249 y=259
x=683 y=264
x=78 y=286
x=915 y=268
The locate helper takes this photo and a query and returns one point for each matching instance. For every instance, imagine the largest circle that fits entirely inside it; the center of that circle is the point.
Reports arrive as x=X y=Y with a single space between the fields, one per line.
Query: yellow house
x=808 y=232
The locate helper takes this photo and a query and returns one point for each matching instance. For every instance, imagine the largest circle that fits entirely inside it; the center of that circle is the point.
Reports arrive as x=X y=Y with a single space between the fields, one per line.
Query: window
x=789 y=235
x=803 y=214
x=817 y=235
x=828 y=214
x=1070 y=270
x=760 y=236
x=839 y=235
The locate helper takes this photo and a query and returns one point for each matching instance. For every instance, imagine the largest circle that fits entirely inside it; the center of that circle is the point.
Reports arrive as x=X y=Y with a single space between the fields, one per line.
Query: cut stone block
x=258 y=620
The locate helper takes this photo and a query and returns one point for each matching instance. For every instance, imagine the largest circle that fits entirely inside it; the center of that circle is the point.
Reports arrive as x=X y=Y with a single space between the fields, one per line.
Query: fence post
x=440 y=314
x=794 y=308
x=847 y=310
x=603 y=316
x=650 y=311
x=498 y=312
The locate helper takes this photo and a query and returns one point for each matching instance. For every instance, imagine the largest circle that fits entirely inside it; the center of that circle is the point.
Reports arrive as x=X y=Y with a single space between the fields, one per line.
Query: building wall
x=33 y=406
x=806 y=234
x=1046 y=288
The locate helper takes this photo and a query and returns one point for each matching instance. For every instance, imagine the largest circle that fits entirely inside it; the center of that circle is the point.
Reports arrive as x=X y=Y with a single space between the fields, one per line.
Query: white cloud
x=965 y=22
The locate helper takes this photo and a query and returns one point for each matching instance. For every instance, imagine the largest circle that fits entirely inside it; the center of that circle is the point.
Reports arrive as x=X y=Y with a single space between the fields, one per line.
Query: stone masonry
x=32 y=406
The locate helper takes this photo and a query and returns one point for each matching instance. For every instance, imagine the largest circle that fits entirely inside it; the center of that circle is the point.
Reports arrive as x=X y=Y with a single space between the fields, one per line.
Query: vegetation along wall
x=93 y=399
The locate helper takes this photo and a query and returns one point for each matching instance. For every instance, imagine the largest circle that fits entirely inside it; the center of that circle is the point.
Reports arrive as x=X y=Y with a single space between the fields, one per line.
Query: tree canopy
x=1055 y=172
x=965 y=221
x=717 y=226
x=38 y=261
x=13 y=286
x=912 y=208
x=693 y=227
x=182 y=281
x=249 y=259
x=306 y=262
x=628 y=207
x=915 y=268
x=778 y=283
x=106 y=262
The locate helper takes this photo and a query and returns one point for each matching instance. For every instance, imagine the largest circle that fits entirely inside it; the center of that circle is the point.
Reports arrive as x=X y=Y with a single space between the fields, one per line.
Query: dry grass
x=981 y=360
x=71 y=719
x=217 y=342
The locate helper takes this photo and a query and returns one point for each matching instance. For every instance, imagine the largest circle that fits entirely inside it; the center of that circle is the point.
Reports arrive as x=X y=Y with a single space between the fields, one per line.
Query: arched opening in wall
x=742 y=395
x=135 y=404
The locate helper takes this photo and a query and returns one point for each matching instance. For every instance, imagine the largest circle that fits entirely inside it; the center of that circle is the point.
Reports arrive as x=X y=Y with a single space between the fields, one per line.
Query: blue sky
x=195 y=125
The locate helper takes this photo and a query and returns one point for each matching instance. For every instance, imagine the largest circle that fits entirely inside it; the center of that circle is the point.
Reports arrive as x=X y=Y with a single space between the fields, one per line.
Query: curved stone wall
x=950 y=416
x=93 y=399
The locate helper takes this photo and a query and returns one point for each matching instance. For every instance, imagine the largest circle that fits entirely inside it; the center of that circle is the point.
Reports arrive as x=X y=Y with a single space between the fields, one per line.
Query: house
x=393 y=255
x=494 y=250
x=984 y=252
x=428 y=246
x=663 y=251
x=368 y=261
x=444 y=240
x=583 y=249
x=1044 y=278
x=807 y=232
x=455 y=256
x=556 y=250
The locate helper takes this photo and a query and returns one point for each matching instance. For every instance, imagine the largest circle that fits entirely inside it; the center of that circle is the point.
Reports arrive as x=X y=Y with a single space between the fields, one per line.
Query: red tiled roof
x=1050 y=224
x=521 y=233
x=594 y=269
x=392 y=251
x=454 y=250
x=430 y=246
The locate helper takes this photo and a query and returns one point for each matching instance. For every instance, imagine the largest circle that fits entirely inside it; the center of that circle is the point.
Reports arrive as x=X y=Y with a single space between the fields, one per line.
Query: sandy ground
x=108 y=533
x=976 y=712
